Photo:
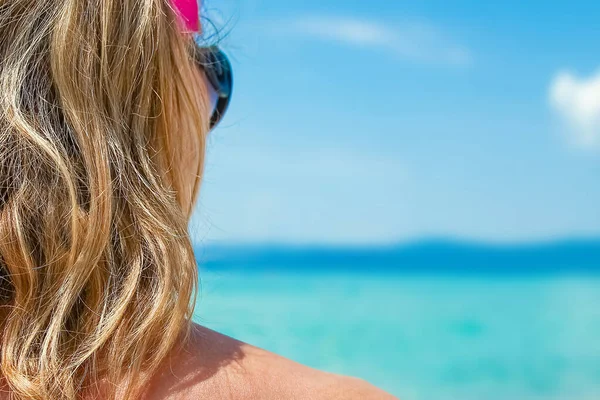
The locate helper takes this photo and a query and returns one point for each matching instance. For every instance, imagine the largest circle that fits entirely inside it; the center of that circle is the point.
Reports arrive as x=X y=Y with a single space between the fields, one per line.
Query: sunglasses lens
x=213 y=97
x=217 y=69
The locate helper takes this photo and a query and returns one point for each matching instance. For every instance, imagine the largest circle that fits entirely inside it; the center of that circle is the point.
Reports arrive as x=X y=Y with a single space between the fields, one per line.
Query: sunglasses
x=217 y=69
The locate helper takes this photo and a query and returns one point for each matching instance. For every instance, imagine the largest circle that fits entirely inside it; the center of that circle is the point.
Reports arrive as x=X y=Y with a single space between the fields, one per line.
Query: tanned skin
x=214 y=366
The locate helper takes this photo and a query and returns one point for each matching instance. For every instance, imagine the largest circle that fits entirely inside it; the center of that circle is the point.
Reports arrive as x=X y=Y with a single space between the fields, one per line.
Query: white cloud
x=414 y=41
x=577 y=100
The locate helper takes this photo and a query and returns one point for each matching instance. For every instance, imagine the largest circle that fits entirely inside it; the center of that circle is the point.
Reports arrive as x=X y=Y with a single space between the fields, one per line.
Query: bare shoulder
x=352 y=388
x=216 y=366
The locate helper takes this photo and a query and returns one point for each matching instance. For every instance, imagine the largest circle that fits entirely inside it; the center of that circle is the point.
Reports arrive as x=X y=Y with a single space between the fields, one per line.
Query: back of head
x=97 y=270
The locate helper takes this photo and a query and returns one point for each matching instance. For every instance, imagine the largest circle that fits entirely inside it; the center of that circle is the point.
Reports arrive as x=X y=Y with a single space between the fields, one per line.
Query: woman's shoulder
x=216 y=366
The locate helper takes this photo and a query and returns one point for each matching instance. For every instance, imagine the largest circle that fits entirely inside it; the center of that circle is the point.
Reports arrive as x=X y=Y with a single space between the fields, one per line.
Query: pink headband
x=189 y=13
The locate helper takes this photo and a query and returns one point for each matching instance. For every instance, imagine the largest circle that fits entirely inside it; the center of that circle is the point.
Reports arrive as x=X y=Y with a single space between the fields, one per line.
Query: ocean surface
x=435 y=334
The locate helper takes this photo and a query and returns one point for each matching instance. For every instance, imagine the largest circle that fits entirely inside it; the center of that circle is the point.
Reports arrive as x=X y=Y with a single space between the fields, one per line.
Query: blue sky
x=383 y=121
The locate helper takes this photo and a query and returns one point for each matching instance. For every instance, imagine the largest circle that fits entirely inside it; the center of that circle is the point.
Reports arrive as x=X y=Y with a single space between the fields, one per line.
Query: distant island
x=427 y=256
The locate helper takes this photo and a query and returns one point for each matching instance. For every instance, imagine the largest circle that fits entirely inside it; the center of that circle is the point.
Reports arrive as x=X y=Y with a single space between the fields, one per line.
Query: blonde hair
x=97 y=272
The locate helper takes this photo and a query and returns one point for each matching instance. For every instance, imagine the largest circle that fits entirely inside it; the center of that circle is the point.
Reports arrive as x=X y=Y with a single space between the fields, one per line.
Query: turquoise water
x=434 y=338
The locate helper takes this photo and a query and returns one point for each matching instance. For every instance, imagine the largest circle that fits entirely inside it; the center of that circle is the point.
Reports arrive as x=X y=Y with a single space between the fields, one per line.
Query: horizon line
x=426 y=240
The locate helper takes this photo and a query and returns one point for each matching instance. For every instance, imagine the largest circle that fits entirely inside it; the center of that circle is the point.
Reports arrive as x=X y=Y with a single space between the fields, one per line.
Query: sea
x=430 y=331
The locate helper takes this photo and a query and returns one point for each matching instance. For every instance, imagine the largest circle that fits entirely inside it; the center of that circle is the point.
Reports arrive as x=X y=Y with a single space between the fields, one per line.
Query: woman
x=104 y=110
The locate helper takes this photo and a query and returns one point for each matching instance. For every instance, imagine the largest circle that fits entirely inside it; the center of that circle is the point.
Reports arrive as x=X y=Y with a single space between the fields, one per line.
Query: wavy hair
x=97 y=272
